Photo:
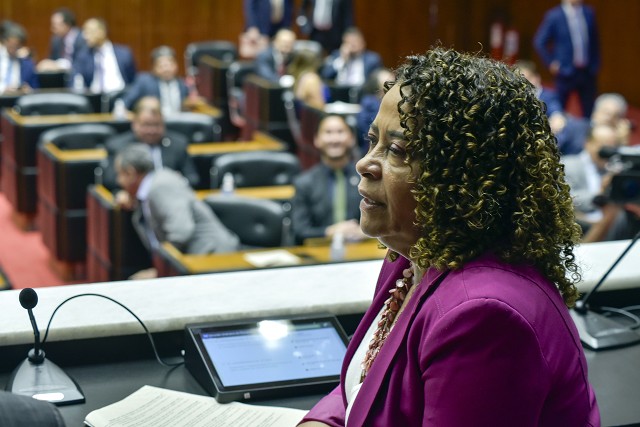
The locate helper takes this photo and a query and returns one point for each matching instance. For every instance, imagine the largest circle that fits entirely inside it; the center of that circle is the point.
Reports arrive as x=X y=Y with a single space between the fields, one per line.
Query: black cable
x=153 y=344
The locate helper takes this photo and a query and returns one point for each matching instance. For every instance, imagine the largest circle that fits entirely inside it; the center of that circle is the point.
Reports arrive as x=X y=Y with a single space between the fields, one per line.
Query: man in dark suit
x=167 y=209
x=17 y=73
x=271 y=63
x=266 y=17
x=19 y=411
x=169 y=149
x=352 y=64
x=105 y=67
x=66 y=42
x=327 y=201
x=567 y=41
x=163 y=83
x=325 y=21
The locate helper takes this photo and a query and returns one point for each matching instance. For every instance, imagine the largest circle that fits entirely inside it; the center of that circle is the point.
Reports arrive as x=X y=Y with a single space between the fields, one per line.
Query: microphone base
x=598 y=332
x=45 y=381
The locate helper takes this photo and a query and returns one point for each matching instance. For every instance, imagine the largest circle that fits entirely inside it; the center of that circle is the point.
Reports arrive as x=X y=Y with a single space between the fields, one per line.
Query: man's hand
x=149 y=273
x=554 y=68
x=124 y=200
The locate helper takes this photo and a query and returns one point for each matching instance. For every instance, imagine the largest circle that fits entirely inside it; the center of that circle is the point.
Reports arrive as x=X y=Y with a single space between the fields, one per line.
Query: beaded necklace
x=389 y=314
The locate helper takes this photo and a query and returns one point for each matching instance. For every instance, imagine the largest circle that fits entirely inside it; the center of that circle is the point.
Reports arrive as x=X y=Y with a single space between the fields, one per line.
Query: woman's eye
x=396 y=149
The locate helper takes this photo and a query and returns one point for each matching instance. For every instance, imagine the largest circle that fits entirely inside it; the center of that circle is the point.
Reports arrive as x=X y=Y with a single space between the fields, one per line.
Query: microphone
x=28 y=300
x=37 y=376
x=597 y=331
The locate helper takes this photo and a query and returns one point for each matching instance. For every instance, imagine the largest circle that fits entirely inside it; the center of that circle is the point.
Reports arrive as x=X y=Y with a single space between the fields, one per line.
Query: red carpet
x=23 y=257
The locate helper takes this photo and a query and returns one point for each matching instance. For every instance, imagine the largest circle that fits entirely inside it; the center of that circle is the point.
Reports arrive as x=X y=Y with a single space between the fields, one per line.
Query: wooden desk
x=114 y=251
x=19 y=167
x=264 y=109
x=171 y=262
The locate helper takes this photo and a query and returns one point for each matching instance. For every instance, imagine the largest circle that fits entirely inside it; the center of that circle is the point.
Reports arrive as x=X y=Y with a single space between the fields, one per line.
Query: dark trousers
x=584 y=84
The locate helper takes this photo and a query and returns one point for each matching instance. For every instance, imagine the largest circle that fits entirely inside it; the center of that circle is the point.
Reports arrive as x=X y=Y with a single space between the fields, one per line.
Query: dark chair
x=221 y=49
x=51 y=103
x=257 y=222
x=255 y=168
x=78 y=137
x=197 y=127
x=62 y=186
x=236 y=75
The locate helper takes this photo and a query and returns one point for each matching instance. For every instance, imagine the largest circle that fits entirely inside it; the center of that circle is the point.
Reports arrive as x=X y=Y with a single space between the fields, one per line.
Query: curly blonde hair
x=491 y=179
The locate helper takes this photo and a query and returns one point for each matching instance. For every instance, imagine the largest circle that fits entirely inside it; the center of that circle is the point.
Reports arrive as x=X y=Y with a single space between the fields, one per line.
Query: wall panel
x=394 y=28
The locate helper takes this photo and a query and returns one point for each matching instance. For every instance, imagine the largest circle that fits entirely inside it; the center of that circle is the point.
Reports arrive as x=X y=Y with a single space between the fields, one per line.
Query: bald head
x=284 y=40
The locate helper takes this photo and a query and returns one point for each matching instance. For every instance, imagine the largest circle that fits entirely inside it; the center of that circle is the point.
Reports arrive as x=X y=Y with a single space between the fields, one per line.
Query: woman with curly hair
x=469 y=323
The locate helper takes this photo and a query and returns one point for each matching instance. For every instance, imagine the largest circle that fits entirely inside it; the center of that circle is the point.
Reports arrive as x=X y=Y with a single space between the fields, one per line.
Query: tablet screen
x=272 y=353
x=275 y=350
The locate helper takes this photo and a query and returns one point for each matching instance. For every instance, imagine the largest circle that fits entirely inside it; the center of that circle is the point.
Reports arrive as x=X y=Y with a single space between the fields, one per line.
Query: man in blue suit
x=105 y=67
x=352 y=64
x=267 y=16
x=567 y=41
x=17 y=74
x=163 y=83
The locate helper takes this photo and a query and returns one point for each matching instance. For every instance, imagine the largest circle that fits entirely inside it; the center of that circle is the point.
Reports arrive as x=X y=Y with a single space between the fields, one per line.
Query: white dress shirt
x=106 y=75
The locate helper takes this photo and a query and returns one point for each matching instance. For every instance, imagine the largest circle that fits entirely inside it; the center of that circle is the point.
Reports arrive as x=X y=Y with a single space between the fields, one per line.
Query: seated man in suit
x=17 y=72
x=327 y=201
x=19 y=411
x=66 y=42
x=167 y=209
x=352 y=64
x=584 y=173
x=163 y=83
x=105 y=67
x=169 y=149
x=271 y=63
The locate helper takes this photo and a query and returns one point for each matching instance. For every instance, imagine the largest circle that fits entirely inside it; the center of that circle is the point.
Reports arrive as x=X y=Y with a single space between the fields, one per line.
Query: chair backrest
x=257 y=222
x=51 y=103
x=220 y=49
x=236 y=75
x=77 y=137
x=255 y=168
x=197 y=127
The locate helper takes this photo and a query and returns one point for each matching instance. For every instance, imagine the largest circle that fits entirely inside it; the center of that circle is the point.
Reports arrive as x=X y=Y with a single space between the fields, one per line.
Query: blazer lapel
x=372 y=385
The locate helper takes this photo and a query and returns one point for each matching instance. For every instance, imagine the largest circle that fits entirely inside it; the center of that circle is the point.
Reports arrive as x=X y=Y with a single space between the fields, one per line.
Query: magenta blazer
x=491 y=345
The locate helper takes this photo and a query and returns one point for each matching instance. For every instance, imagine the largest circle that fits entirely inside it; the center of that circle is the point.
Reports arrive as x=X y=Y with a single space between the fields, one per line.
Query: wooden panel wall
x=395 y=28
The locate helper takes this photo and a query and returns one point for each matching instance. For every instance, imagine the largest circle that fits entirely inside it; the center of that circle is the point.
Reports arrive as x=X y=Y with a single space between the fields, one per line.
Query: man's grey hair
x=615 y=98
x=136 y=156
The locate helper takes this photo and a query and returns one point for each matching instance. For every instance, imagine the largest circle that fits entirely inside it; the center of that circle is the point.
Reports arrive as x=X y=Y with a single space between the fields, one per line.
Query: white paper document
x=158 y=407
x=273 y=258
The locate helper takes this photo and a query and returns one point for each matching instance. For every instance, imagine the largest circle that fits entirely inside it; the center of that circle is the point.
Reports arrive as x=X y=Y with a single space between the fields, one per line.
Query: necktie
x=339 y=197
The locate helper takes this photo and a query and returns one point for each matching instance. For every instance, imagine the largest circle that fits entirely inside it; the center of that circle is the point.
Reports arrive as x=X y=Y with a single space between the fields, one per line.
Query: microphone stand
x=37 y=376
x=598 y=332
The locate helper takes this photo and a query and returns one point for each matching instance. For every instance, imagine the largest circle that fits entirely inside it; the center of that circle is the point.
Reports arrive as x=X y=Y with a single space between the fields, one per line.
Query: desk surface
x=614 y=374
x=306 y=255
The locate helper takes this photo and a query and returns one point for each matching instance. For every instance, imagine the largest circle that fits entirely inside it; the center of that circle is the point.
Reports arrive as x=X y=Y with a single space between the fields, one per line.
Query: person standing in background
x=325 y=21
x=105 y=67
x=263 y=19
x=66 y=42
x=568 y=43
